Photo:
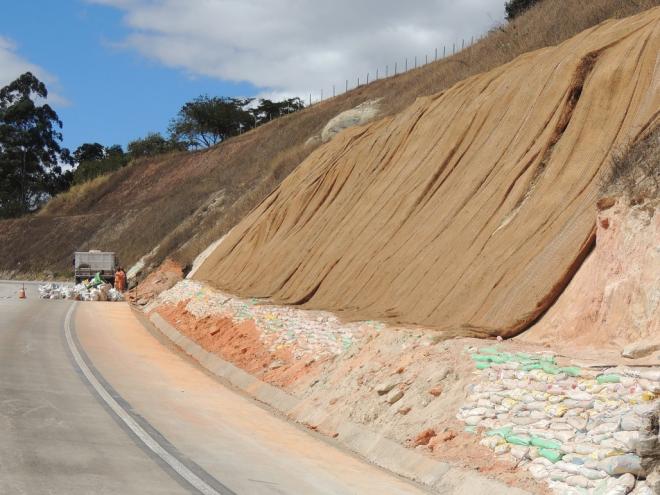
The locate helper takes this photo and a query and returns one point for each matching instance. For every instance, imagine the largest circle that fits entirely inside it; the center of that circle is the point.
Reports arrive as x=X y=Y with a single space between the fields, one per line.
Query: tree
x=114 y=151
x=514 y=8
x=89 y=152
x=268 y=110
x=96 y=160
x=206 y=121
x=30 y=151
x=153 y=144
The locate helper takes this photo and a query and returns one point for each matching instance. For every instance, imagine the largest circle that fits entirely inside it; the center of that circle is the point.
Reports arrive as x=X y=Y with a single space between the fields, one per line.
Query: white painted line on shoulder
x=139 y=432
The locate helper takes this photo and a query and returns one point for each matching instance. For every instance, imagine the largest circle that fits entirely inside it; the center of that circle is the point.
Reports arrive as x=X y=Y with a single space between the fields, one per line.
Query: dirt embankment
x=164 y=277
x=408 y=384
x=470 y=210
x=178 y=204
x=402 y=383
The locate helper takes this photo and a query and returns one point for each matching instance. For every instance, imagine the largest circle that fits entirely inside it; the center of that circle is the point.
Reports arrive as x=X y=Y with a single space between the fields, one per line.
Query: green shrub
x=513 y=8
x=88 y=170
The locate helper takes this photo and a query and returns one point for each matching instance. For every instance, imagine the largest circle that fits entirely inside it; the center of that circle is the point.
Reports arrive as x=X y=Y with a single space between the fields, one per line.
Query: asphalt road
x=93 y=402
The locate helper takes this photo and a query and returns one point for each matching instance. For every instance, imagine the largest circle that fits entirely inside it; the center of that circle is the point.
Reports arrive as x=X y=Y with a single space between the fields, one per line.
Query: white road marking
x=144 y=437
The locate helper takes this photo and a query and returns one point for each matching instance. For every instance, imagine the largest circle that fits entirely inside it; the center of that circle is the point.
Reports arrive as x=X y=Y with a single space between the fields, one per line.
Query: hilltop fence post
x=415 y=61
x=453 y=48
x=367 y=78
x=387 y=71
x=376 y=73
x=444 y=51
x=346 y=86
x=310 y=99
x=395 y=64
x=436 y=55
x=333 y=91
x=463 y=44
x=406 y=69
x=358 y=82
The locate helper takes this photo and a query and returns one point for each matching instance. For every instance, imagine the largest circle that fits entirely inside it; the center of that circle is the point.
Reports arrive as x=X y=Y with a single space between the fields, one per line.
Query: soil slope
x=470 y=210
x=176 y=205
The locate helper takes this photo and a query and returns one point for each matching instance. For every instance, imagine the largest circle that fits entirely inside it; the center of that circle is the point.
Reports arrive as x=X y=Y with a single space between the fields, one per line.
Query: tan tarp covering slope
x=470 y=210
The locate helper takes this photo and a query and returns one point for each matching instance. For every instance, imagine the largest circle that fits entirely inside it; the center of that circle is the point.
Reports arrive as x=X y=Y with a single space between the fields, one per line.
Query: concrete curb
x=374 y=447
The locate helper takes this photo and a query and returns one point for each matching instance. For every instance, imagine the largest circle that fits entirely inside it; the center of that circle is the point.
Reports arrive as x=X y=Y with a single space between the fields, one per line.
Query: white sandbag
x=629 y=439
x=519 y=451
x=642 y=488
x=578 y=481
x=603 y=428
x=502 y=449
x=473 y=420
x=621 y=485
x=492 y=442
x=652 y=374
x=538 y=471
x=620 y=464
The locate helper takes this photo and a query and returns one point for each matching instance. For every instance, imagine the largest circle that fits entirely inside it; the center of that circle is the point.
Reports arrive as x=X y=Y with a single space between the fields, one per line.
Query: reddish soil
x=238 y=343
x=462 y=449
x=164 y=277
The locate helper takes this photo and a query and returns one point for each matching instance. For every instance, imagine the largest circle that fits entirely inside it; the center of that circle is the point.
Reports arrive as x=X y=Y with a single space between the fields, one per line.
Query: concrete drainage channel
x=375 y=448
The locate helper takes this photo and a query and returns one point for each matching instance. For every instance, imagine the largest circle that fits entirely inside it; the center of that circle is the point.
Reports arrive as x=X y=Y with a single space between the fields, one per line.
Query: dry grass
x=70 y=199
x=635 y=170
x=184 y=201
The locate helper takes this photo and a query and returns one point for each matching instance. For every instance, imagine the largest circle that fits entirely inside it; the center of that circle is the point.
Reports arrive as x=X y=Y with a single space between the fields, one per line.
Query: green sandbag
x=482 y=365
x=547 y=359
x=503 y=432
x=470 y=429
x=480 y=357
x=545 y=443
x=530 y=367
x=517 y=440
x=571 y=370
x=549 y=368
x=499 y=359
x=608 y=378
x=552 y=455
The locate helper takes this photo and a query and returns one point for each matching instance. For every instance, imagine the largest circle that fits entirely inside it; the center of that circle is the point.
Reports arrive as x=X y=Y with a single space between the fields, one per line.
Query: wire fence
x=399 y=67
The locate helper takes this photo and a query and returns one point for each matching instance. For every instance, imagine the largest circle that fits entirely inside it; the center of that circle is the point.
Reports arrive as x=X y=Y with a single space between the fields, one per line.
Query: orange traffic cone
x=21 y=293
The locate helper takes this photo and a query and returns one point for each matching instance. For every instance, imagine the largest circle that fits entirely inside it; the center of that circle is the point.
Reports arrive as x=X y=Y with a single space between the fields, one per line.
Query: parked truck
x=89 y=263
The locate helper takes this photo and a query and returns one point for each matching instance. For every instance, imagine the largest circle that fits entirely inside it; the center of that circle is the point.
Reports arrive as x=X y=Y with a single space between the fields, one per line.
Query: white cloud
x=299 y=46
x=13 y=65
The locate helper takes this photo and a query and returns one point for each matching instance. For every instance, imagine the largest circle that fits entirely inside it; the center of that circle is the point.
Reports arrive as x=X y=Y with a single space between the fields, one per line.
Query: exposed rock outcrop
x=614 y=300
x=359 y=115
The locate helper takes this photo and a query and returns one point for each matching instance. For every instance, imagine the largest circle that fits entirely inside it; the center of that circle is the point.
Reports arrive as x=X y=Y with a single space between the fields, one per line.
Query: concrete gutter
x=373 y=446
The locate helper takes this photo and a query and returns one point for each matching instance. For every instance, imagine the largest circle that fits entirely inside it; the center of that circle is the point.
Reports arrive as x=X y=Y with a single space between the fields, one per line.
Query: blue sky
x=119 y=69
x=112 y=95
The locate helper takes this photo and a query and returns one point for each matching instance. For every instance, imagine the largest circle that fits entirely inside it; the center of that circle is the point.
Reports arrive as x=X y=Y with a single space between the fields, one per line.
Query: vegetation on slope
x=181 y=202
x=635 y=170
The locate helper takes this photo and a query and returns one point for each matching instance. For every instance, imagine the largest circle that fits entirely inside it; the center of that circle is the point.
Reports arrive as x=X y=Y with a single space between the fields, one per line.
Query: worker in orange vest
x=120 y=279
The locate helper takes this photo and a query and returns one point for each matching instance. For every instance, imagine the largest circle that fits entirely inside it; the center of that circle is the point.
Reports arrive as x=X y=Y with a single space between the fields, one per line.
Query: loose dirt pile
x=469 y=211
x=161 y=279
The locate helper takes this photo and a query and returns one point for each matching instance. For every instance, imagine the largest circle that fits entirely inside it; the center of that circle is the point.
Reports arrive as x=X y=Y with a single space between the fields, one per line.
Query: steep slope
x=177 y=205
x=468 y=211
x=614 y=299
